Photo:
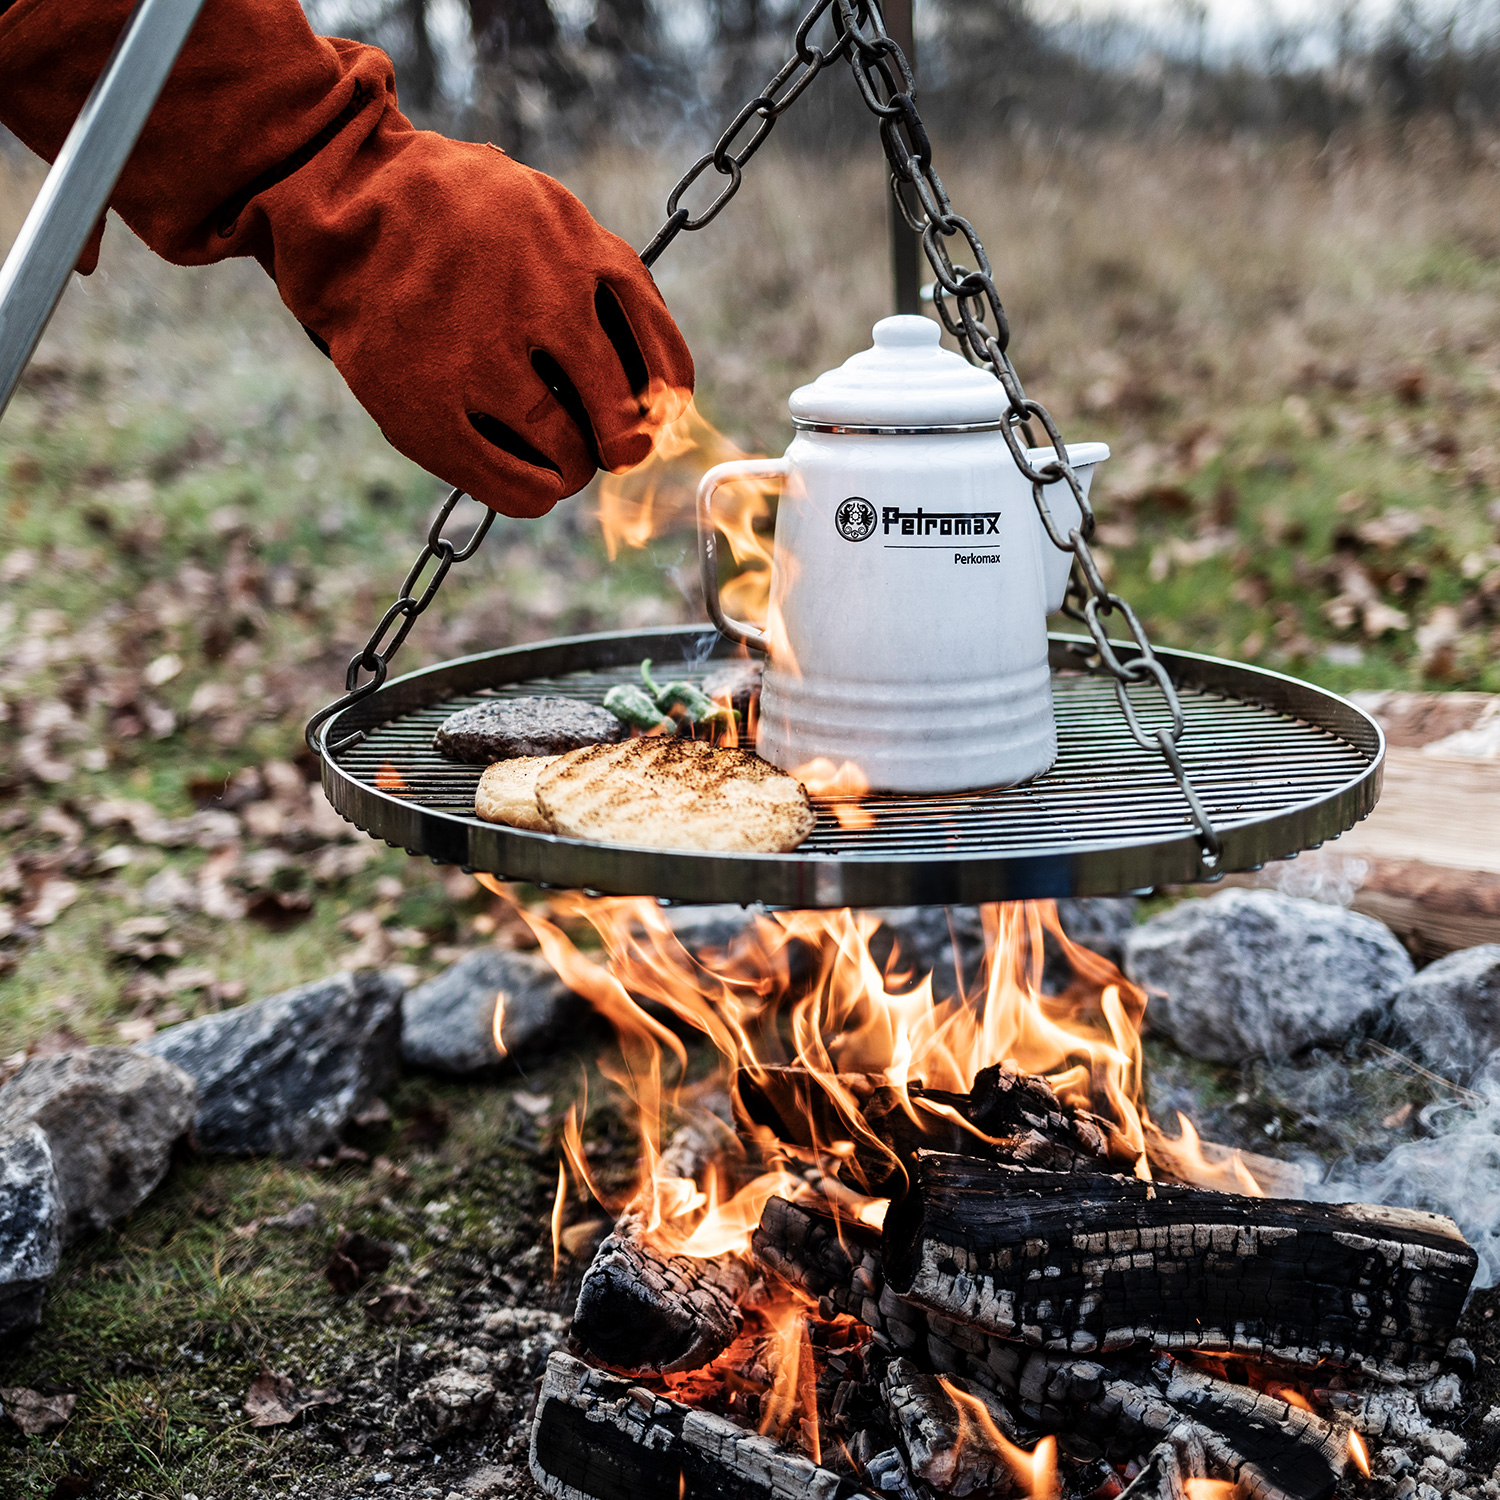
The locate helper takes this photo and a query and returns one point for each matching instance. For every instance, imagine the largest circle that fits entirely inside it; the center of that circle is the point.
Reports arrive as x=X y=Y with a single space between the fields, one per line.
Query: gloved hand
x=498 y=335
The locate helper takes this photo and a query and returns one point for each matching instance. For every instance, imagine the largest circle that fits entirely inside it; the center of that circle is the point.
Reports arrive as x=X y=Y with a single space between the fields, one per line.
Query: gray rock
x=447 y=1024
x=285 y=1075
x=1251 y=973
x=1449 y=1014
x=31 y=1228
x=111 y=1117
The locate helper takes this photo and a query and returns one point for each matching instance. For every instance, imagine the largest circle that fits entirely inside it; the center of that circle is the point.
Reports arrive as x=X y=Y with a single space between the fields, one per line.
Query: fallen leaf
x=377 y=1112
x=33 y=1412
x=273 y=1401
x=354 y=1257
x=533 y=1104
x=342 y=1275
x=396 y=1304
x=368 y=1253
x=279 y=909
x=54 y=898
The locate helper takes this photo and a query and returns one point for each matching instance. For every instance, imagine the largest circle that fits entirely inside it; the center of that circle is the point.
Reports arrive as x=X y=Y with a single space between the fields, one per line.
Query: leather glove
x=500 y=337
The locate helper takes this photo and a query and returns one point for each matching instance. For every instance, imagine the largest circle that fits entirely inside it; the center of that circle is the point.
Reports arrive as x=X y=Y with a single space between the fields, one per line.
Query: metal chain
x=969 y=306
x=375 y=656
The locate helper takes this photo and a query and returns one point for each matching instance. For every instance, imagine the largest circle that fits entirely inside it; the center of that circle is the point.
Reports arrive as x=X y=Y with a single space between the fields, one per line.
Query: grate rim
x=1281 y=766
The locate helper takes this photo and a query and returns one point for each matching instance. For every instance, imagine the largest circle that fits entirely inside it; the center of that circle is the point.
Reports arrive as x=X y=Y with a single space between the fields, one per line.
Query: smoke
x=1319 y=875
x=1453 y=1170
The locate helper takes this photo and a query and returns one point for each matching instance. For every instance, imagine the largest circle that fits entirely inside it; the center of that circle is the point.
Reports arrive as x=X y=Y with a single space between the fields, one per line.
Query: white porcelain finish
x=907 y=379
x=909 y=588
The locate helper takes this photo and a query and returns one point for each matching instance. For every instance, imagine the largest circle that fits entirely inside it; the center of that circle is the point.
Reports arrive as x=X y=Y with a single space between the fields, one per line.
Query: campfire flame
x=1186 y=1159
x=799 y=1009
x=1036 y=1470
x=852 y=1020
x=658 y=497
x=1210 y=1489
x=793 y=1386
x=1359 y=1454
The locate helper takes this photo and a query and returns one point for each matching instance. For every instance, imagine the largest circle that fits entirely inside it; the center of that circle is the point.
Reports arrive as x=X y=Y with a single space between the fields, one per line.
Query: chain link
x=968 y=304
x=375 y=656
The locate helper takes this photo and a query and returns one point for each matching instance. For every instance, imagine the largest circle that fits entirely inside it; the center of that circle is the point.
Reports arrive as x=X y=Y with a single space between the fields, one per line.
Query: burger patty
x=504 y=728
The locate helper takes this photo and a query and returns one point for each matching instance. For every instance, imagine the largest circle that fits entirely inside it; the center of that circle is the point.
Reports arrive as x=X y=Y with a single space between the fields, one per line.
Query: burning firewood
x=598 y=1437
x=1007 y=1116
x=838 y=1262
x=646 y=1312
x=1100 y=1263
x=944 y=1446
x=1268 y=1446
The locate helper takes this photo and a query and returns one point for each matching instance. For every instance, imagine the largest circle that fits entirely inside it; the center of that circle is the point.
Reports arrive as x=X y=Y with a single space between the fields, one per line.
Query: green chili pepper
x=695 y=703
x=631 y=705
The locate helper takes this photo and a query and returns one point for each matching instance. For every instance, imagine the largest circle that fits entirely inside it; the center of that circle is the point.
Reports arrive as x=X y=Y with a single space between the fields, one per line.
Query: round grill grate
x=1280 y=765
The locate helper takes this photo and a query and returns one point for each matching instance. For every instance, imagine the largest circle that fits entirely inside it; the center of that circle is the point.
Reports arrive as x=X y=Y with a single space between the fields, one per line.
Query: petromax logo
x=920 y=522
x=855 y=519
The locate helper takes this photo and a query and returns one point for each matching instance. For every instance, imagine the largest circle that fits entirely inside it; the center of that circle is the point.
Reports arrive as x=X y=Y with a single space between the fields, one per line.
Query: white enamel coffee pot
x=911 y=578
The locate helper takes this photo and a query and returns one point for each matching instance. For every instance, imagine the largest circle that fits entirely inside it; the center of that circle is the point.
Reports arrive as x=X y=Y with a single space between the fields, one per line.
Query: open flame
x=843 y=1025
x=658 y=497
x=1359 y=1454
x=1210 y=1489
x=1035 y=1471
x=799 y=1010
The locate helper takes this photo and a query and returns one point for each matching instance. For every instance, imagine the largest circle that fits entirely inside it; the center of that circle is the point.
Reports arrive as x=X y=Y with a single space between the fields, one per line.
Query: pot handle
x=708 y=543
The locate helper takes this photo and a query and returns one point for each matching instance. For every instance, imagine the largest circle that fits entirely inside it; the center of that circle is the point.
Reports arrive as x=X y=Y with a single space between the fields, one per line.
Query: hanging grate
x=1280 y=765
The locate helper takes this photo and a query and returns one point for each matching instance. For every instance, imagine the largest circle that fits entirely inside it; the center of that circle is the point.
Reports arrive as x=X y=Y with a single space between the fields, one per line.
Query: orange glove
x=497 y=334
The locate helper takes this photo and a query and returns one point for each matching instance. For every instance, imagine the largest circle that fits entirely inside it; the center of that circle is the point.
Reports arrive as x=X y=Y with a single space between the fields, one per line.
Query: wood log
x=838 y=1262
x=1167 y=1469
x=642 y=1312
x=1014 y=1116
x=943 y=1446
x=1084 y=1264
x=646 y=1313
x=1274 y=1450
x=598 y=1437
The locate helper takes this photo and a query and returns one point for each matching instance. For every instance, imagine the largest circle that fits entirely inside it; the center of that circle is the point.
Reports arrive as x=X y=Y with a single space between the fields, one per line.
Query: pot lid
x=906 y=381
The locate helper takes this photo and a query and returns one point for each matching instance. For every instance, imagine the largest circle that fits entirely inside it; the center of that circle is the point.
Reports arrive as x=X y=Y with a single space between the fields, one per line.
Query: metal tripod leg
x=78 y=187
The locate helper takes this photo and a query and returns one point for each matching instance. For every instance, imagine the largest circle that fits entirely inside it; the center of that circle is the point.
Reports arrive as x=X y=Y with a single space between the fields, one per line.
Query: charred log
x=597 y=1437
x=647 y=1313
x=942 y=1445
x=1008 y=1116
x=1077 y=1263
x=1168 y=1467
x=1273 y=1450
x=838 y=1262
